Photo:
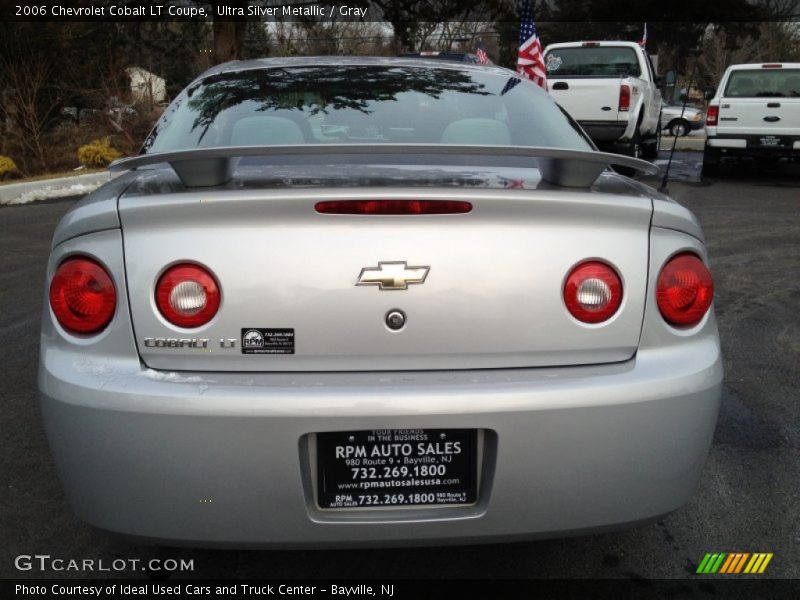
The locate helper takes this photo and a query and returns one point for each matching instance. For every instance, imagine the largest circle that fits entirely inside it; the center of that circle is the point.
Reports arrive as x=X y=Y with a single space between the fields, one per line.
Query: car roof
x=598 y=42
x=347 y=61
x=785 y=65
x=443 y=55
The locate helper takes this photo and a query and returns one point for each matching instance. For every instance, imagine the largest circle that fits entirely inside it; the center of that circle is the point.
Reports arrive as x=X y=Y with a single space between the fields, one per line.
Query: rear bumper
x=604 y=131
x=753 y=145
x=222 y=459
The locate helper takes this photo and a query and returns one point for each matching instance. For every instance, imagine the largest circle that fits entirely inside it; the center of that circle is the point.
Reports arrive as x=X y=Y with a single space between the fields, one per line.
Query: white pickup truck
x=755 y=112
x=611 y=90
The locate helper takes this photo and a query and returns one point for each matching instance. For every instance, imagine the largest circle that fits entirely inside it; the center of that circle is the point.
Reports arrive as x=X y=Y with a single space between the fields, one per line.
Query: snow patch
x=171 y=377
x=52 y=191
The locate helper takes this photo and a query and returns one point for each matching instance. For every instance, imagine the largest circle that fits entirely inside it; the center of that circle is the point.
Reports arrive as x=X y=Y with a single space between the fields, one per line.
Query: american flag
x=483 y=58
x=530 y=62
x=643 y=41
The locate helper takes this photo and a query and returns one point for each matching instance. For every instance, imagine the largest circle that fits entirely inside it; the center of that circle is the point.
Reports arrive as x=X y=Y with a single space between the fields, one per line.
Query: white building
x=147 y=86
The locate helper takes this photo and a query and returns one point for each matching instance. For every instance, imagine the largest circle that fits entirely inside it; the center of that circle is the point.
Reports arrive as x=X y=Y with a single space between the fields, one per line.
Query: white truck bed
x=611 y=89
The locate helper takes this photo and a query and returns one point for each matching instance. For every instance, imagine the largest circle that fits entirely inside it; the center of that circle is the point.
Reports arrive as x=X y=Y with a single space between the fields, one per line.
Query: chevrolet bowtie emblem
x=395 y=275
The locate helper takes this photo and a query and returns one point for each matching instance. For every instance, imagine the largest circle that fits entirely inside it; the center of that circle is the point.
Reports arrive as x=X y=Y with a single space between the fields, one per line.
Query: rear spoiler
x=206 y=167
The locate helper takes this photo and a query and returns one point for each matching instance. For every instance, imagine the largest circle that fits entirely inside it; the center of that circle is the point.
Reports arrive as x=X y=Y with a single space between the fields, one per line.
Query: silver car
x=680 y=121
x=379 y=302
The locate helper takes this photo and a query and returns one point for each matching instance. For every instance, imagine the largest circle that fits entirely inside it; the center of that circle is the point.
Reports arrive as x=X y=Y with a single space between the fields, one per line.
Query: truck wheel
x=651 y=146
x=711 y=161
x=633 y=150
x=635 y=145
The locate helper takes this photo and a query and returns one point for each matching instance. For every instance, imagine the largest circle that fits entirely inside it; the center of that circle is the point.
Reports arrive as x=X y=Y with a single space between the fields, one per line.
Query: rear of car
x=375 y=349
x=755 y=113
x=610 y=89
x=681 y=120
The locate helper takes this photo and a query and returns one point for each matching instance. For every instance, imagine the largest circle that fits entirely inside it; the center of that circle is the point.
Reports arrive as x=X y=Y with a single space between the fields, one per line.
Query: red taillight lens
x=392 y=207
x=684 y=290
x=712 y=114
x=624 y=98
x=82 y=296
x=187 y=295
x=593 y=292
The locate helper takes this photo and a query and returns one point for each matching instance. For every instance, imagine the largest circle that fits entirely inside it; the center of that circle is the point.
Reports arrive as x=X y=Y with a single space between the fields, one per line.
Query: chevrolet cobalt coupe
x=379 y=302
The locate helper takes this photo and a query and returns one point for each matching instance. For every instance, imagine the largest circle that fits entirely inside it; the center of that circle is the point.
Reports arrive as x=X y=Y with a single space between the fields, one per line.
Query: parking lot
x=747 y=500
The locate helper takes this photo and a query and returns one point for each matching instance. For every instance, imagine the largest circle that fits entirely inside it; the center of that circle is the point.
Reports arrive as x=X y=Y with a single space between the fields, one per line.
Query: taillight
x=684 y=290
x=624 y=98
x=187 y=295
x=392 y=207
x=712 y=114
x=82 y=296
x=593 y=292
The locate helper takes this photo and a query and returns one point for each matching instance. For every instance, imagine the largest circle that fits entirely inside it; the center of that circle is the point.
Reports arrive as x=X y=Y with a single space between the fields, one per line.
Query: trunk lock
x=395 y=319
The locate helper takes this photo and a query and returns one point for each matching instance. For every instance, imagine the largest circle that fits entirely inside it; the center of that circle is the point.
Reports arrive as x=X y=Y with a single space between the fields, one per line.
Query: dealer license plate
x=397 y=467
x=770 y=141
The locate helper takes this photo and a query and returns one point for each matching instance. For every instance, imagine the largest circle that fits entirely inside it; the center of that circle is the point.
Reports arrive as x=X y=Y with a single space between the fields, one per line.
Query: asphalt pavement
x=747 y=500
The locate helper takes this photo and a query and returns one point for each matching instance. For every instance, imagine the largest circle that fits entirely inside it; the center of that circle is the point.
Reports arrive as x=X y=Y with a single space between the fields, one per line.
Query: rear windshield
x=763 y=83
x=363 y=104
x=600 y=61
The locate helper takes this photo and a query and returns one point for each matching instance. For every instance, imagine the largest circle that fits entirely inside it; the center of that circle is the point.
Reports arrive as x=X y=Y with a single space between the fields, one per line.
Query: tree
x=229 y=35
x=312 y=37
x=675 y=28
x=257 y=40
x=772 y=41
x=414 y=21
x=30 y=104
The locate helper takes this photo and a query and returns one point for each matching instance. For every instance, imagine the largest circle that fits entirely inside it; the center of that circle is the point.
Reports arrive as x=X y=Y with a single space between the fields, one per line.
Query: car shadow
x=771 y=173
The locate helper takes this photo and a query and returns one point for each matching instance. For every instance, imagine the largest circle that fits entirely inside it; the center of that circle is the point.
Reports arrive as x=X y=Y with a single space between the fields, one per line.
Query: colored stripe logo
x=734 y=563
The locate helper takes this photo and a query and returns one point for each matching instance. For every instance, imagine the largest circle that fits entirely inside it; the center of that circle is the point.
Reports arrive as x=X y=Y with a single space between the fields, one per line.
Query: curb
x=30 y=191
x=695 y=144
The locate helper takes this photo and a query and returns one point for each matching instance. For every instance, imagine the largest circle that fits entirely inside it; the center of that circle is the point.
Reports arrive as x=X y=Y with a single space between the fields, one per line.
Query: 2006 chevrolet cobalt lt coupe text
x=375 y=301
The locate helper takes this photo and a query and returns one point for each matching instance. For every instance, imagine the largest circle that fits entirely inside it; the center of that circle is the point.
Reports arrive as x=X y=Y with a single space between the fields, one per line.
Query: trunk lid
x=492 y=296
